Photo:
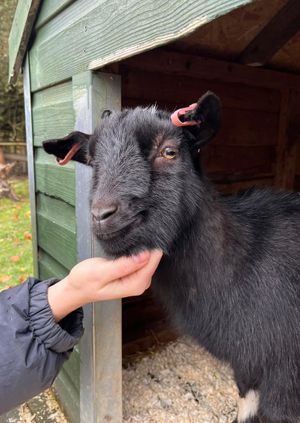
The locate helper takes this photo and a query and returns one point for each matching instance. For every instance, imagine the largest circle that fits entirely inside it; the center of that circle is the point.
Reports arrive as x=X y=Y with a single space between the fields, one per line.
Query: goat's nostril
x=105 y=213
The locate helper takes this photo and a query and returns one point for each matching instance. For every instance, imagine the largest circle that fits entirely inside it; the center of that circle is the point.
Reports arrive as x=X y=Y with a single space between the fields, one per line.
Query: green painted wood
x=49 y=9
x=96 y=32
x=19 y=35
x=53 y=180
x=56 y=229
x=49 y=267
x=30 y=163
x=68 y=396
x=52 y=113
x=72 y=368
x=101 y=345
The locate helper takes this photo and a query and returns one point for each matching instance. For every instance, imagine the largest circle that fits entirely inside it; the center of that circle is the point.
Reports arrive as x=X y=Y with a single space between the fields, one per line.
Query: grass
x=15 y=237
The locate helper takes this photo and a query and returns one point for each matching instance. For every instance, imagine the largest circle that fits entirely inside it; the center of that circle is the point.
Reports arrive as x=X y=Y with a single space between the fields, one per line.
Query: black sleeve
x=33 y=347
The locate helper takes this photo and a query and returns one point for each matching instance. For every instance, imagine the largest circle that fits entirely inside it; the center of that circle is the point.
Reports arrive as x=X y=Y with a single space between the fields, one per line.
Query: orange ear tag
x=69 y=155
x=180 y=112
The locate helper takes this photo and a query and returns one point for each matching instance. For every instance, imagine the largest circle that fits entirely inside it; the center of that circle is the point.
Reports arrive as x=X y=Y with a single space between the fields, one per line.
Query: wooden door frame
x=101 y=345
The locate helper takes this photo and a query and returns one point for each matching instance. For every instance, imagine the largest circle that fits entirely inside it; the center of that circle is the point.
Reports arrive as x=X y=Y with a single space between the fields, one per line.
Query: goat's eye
x=169 y=153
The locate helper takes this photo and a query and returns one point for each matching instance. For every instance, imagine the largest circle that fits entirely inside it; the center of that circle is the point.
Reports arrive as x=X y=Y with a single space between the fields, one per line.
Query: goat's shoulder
x=264 y=202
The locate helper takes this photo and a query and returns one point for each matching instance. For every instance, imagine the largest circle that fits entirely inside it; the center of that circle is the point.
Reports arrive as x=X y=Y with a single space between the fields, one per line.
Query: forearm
x=63 y=299
x=33 y=346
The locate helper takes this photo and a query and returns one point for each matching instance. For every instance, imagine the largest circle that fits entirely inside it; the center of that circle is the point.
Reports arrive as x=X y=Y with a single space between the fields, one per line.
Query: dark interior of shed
x=259 y=138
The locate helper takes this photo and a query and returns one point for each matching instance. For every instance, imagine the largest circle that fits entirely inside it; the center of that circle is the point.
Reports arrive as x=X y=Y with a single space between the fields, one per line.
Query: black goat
x=230 y=276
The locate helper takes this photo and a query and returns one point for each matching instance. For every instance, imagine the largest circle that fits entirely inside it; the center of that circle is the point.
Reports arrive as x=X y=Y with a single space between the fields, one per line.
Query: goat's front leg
x=248 y=408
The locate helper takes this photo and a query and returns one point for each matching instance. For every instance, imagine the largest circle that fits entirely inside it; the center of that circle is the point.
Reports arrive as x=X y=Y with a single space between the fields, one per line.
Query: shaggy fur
x=230 y=276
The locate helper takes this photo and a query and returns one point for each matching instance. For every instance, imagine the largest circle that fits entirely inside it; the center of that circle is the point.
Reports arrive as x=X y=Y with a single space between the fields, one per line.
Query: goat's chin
x=130 y=244
x=124 y=247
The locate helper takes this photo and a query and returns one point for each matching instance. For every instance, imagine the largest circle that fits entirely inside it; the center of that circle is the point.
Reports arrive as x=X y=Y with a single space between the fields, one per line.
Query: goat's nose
x=103 y=213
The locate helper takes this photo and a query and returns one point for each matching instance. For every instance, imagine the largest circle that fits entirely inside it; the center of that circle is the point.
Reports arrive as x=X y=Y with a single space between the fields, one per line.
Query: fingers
x=115 y=269
x=135 y=283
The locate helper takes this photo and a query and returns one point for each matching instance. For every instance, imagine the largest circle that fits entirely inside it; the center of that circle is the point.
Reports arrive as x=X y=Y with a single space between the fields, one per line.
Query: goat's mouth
x=120 y=232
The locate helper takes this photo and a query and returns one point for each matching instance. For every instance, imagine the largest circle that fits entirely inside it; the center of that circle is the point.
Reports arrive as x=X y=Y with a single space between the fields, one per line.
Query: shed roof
x=166 y=21
x=260 y=33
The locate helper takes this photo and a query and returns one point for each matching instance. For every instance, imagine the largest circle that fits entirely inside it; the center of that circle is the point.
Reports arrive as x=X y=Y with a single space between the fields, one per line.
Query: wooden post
x=30 y=164
x=288 y=138
x=101 y=346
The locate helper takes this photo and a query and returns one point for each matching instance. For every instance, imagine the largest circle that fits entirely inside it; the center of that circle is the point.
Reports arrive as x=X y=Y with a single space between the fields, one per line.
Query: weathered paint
x=22 y=25
x=91 y=33
x=49 y=9
x=101 y=345
x=56 y=181
x=30 y=164
x=52 y=112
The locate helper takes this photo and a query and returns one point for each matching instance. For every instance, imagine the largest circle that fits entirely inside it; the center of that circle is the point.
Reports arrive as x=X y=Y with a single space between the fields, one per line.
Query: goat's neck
x=210 y=246
x=197 y=278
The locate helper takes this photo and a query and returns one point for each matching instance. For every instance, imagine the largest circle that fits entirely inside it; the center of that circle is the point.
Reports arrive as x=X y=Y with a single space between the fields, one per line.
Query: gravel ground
x=179 y=383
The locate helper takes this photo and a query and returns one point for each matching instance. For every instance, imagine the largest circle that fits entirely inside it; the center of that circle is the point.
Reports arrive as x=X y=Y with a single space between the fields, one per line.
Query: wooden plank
x=30 y=160
x=247 y=128
x=56 y=229
x=297 y=183
x=65 y=390
x=10 y=144
x=192 y=66
x=287 y=158
x=282 y=27
x=53 y=180
x=298 y=161
x=57 y=241
x=238 y=160
x=233 y=187
x=49 y=267
x=49 y=9
x=282 y=136
x=101 y=345
x=151 y=87
x=53 y=114
x=72 y=368
x=97 y=32
x=239 y=127
x=19 y=35
x=16 y=157
x=158 y=334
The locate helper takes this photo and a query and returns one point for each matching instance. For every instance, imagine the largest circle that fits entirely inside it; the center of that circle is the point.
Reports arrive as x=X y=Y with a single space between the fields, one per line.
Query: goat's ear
x=106 y=114
x=207 y=119
x=74 y=146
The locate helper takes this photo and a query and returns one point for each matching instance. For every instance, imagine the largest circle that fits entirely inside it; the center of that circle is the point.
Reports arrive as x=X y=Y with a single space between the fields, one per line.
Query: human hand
x=99 y=279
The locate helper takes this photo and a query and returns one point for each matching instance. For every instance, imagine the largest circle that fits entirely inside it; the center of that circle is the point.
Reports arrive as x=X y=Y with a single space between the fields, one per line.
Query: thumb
x=123 y=266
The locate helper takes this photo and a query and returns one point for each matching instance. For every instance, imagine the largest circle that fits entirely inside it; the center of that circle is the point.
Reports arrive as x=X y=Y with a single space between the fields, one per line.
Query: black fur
x=230 y=276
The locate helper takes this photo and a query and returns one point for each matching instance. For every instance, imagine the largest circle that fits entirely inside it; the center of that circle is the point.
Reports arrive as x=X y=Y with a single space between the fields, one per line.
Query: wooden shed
x=81 y=57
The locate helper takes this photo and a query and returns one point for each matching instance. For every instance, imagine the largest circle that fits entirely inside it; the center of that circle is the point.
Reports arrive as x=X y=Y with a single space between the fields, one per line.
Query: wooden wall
x=251 y=148
x=53 y=116
x=255 y=146
x=257 y=141
x=245 y=148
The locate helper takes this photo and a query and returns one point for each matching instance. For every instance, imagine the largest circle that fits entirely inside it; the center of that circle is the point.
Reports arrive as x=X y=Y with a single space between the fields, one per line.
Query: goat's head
x=146 y=173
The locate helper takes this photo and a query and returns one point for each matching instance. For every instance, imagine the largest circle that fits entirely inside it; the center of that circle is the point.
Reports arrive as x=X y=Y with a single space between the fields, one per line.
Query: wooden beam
x=188 y=65
x=30 y=161
x=283 y=26
x=95 y=33
x=288 y=140
x=22 y=25
x=101 y=345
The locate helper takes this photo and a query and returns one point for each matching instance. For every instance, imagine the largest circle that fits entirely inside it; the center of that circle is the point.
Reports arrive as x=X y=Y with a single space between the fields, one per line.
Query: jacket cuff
x=58 y=337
